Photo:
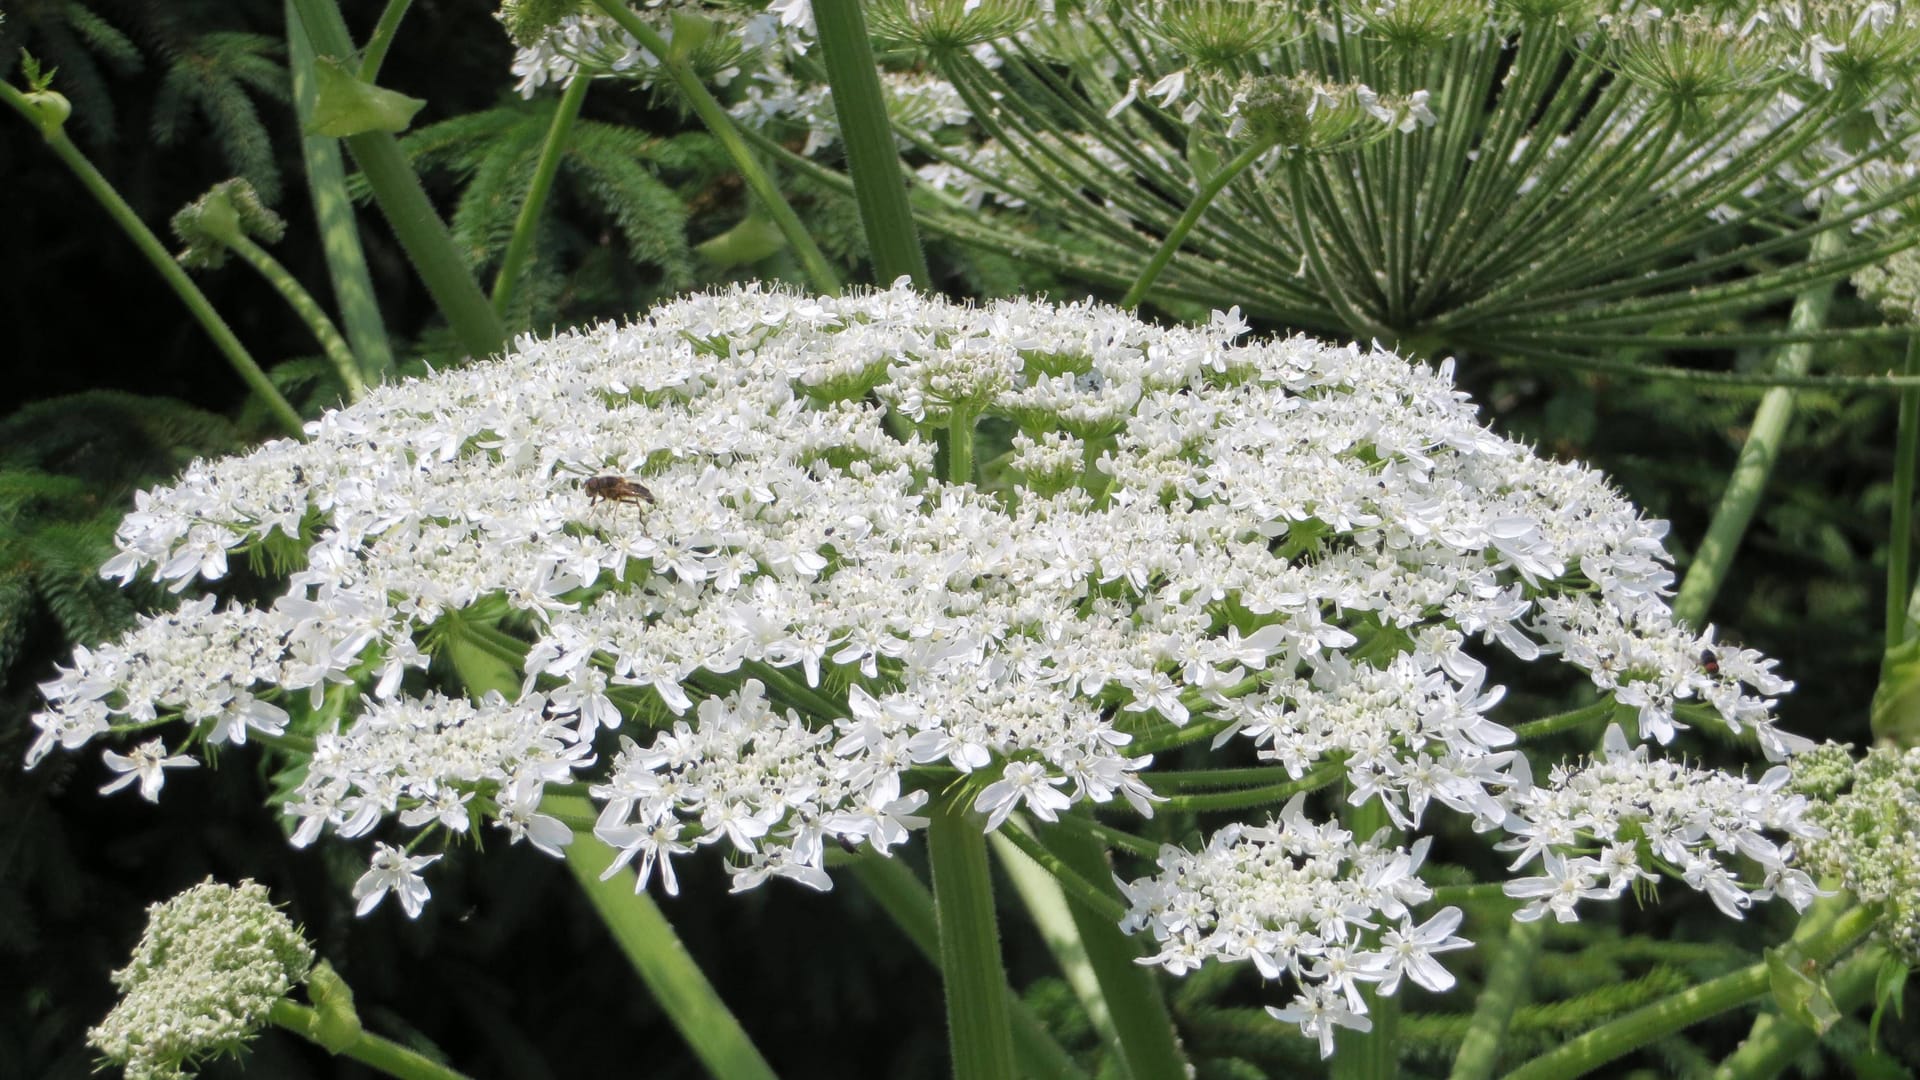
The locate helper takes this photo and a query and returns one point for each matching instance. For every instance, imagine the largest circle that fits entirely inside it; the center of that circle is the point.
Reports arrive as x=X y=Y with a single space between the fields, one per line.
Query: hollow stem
x=860 y=106
x=338 y=353
x=977 y=1025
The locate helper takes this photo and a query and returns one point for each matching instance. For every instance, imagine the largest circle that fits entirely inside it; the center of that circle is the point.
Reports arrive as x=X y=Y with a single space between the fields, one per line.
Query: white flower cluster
x=1691 y=820
x=1311 y=547
x=1299 y=898
x=917 y=102
x=212 y=962
x=1871 y=809
x=593 y=40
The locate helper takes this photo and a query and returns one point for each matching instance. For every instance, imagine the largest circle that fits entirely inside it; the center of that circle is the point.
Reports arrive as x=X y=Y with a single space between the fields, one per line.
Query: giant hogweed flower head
x=212 y=962
x=1870 y=809
x=818 y=616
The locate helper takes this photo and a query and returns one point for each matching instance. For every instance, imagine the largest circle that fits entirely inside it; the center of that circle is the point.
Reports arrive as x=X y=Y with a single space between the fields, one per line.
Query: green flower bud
x=212 y=963
x=1422 y=24
x=1687 y=60
x=211 y=224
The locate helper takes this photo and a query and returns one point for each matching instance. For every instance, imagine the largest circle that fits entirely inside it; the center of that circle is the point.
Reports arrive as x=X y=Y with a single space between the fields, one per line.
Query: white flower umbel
x=800 y=629
x=213 y=961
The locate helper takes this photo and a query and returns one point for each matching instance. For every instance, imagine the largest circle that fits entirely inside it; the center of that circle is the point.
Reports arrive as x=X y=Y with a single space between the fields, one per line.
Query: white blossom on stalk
x=146 y=765
x=807 y=633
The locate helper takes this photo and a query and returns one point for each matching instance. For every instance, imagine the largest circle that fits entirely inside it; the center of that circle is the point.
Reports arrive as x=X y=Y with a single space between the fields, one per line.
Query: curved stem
x=528 y=224
x=370 y=1050
x=156 y=253
x=860 y=105
x=977 y=1026
x=714 y=115
x=381 y=39
x=1776 y=1041
x=1755 y=465
x=1620 y=1037
x=304 y=305
x=663 y=963
x=1178 y=234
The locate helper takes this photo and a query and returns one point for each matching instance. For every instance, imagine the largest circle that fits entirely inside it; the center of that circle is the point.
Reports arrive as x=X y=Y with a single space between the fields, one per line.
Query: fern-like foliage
x=83 y=47
x=630 y=183
x=211 y=75
x=68 y=467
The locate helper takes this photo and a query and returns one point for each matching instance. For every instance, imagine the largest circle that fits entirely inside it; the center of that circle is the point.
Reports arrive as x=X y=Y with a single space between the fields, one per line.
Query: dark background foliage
x=113 y=388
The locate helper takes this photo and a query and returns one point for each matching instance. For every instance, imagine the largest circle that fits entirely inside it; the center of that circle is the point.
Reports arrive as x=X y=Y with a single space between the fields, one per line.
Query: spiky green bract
x=210 y=224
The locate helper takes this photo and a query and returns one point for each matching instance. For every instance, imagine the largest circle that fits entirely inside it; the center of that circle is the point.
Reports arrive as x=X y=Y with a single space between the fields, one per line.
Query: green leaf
x=1895 y=713
x=336 y=1024
x=1889 y=988
x=755 y=238
x=1800 y=990
x=346 y=106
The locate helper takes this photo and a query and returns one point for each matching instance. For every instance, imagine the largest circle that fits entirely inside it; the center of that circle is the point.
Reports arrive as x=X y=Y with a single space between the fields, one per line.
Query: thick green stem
x=655 y=952
x=1616 y=1039
x=304 y=305
x=860 y=105
x=977 y=1025
x=381 y=39
x=156 y=253
x=527 y=226
x=422 y=235
x=1373 y=1054
x=907 y=902
x=1764 y=439
x=1131 y=991
x=960 y=446
x=720 y=125
x=1505 y=990
x=370 y=1050
x=1178 y=234
x=1900 y=534
x=1775 y=1041
x=339 y=229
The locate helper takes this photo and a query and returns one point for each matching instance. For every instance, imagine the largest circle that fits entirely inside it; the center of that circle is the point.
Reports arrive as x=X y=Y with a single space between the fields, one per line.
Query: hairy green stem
x=156 y=253
x=1373 y=1054
x=970 y=962
x=721 y=126
x=422 y=235
x=307 y=308
x=1617 y=1038
x=1178 y=234
x=527 y=226
x=381 y=39
x=1503 y=993
x=339 y=229
x=1764 y=440
x=1148 y=1039
x=860 y=106
x=960 y=446
x=370 y=1050
x=664 y=964
x=1900 y=534
x=1069 y=881
x=1775 y=1041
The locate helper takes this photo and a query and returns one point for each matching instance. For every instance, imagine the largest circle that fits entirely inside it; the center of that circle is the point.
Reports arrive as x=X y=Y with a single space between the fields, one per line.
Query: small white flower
x=393 y=869
x=145 y=764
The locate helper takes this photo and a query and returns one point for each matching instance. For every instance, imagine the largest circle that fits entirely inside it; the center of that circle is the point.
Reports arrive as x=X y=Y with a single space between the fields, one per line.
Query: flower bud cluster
x=1871 y=810
x=732 y=39
x=212 y=962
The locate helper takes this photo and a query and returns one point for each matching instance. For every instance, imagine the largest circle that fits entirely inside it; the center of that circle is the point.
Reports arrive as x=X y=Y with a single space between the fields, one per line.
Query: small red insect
x=615 y=489
x=1709 y=662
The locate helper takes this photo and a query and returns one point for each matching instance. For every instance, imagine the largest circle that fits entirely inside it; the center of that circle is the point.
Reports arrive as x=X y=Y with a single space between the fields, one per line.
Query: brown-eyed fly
x=615 y=489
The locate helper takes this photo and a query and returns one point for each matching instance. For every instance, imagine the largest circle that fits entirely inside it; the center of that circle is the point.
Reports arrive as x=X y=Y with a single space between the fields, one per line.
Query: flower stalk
x=1178 y=234
x=872 y=162
x=977 y=1026
x=162 y=261
x=527 y=226
x=368 y=1049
